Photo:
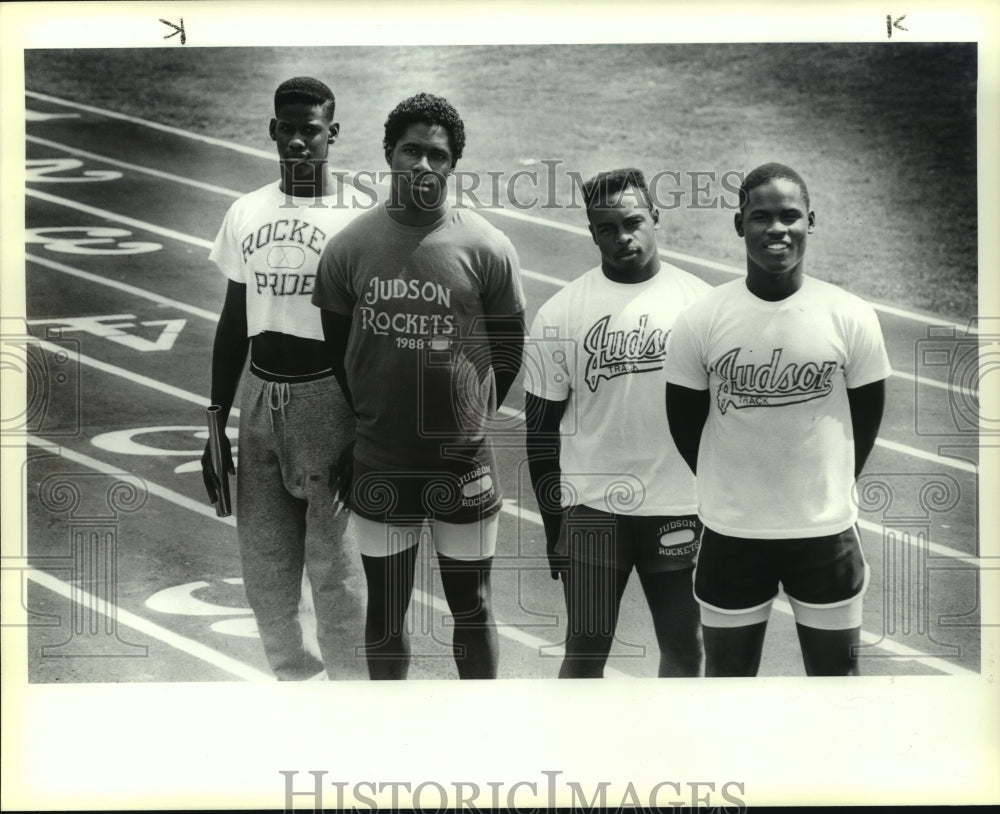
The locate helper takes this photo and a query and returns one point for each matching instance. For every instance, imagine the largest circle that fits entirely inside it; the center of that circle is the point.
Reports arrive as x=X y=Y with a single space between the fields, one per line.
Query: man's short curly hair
x=766 y=173
x=607 y=186
x=425 y=108
x=308 y=90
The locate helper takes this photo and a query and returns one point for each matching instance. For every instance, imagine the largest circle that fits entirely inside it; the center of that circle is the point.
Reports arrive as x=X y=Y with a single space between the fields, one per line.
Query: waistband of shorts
x=267 y=376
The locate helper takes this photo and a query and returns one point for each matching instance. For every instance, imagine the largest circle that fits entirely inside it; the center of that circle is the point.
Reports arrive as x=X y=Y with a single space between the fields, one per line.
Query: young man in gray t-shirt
x=423 y=309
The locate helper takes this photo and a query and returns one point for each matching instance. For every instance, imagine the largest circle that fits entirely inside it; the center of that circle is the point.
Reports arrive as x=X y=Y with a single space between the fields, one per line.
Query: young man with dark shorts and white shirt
x=776 y=386
x=422 y=303
x=598 y=438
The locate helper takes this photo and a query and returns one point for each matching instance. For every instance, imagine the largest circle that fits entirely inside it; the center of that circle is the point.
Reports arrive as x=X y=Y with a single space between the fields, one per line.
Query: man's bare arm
x=506 y=338
x=687 y=412
x=542 y=443
x=229 y=355
x=867 y=404
x=336 y=332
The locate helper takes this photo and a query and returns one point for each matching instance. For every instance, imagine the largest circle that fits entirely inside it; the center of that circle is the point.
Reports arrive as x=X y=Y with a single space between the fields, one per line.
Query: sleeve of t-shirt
x=867 y=361
x=684 y=363
x=502 y=294
x=225 y=251
x=334 y=290
x=548 y=353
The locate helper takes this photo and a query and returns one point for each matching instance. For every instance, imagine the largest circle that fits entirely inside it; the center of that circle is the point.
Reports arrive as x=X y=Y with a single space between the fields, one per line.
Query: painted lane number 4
x=112 y=327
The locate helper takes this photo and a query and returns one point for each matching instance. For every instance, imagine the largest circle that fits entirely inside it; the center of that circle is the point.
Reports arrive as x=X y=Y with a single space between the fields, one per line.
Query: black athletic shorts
x=621 y=541
x=450 y=491
x=736 y=573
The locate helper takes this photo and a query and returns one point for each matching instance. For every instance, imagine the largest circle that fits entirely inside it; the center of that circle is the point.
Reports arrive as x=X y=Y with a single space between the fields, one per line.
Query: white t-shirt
x=599 y=346
x=272 y=243
x=777 y=453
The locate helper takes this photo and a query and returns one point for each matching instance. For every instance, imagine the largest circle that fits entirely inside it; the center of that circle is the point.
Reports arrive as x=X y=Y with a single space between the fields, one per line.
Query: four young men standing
x=774 y=393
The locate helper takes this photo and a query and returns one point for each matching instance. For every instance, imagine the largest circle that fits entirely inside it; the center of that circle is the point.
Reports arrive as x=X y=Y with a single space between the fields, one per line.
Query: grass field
x=885 y=135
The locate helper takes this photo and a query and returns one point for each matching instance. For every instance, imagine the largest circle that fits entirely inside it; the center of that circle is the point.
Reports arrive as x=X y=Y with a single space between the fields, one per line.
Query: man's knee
x=734 y=651
x=467 y=588
x=582 y=667
x=829 y=652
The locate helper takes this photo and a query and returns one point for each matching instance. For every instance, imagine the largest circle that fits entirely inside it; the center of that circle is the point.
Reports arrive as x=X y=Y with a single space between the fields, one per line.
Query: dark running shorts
x=621 y=541
x=736 y=573
x=465 y=492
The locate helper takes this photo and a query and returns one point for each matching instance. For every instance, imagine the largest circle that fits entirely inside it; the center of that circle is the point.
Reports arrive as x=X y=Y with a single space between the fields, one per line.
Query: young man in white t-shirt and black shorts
x=776 y=386
x=613 y=492
x=294 y=421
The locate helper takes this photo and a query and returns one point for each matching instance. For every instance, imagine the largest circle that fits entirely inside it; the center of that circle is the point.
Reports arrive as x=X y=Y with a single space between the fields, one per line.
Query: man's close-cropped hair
x=766 y=173
x=305 y=89
x=605 y=186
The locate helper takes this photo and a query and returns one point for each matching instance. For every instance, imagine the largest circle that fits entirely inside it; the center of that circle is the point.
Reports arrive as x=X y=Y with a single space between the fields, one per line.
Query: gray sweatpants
x=286 y=518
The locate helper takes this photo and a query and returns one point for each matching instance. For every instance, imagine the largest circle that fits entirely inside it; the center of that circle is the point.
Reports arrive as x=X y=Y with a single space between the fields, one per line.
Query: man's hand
x=213 y=480
x=542 y=442
x=558 y=563
x=342 y=474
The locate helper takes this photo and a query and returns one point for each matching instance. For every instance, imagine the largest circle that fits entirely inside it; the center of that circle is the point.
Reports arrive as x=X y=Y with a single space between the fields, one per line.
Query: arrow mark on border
x=177 y=30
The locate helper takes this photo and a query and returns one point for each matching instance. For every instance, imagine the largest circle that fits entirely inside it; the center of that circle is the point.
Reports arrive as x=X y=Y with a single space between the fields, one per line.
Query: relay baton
x=223 y=504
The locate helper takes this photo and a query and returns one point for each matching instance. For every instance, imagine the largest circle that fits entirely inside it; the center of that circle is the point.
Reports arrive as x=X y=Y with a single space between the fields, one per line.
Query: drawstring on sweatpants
x=277 y=395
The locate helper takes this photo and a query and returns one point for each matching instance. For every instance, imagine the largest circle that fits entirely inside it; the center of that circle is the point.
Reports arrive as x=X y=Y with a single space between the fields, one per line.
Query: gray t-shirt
x=418 y=361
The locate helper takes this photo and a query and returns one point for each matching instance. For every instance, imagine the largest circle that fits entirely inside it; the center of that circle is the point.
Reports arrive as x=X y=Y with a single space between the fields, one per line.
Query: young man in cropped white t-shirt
x=294 y=421
x=775 y=393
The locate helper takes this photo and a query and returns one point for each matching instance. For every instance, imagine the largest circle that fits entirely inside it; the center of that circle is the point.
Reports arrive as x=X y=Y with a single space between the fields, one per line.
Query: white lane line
x=508 y=631
x=901 y=651
x=520 y=511
x=937 y=548
x=511 y=214
x=535 y=275
x=135 y=291
x=163 y=128
x=968 y=328
x=572 y=229
x=137 y=378
x=125 y=165
x=905 y=449
x=148 y=628
x=515 y=634
x=949 y=386
x=894 y=446
x=231 y=193
x=544 y=278
x=153 y=488
x=112 y=216
x=954 y=463
x=510 y=507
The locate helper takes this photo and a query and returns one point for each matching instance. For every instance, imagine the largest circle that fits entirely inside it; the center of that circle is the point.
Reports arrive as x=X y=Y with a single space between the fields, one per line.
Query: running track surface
x=125 y=560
